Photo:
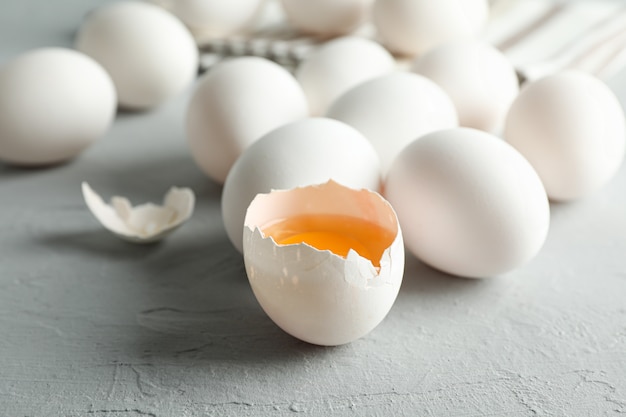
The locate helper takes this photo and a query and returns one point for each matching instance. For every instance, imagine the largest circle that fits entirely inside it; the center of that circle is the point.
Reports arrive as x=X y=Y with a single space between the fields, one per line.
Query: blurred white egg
x=339 y=65
x=309 y=151
x=325 y=261
x=412 y=27
x=235 y=104
x=54 y=103
x=327 y=17
x=393 y=110
x=148 y=52
x=217 y=18
x=479 y=79
x=468 y=203
x=570 y=126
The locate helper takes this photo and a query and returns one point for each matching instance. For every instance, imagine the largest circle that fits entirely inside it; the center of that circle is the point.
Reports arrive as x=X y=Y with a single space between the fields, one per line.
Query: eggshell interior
x=305 y=152
x=144 y=223
x=318 y=296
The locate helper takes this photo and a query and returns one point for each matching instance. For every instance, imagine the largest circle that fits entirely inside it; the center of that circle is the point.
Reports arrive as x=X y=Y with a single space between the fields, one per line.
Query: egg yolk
x=336 y=233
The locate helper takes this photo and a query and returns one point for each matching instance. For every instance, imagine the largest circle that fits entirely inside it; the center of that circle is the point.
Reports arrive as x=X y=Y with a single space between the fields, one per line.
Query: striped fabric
x=538 y=36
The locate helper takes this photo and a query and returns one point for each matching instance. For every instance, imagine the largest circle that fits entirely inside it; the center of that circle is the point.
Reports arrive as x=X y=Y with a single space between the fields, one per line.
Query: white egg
x=235 y=104
x=309 y=151
x=468 y=203
x=327 y=17
x=393 y=110
x=339 y=65
x=148 y=52
x=217 y=18
x=570 y=126
x=325 y=262
x=412 y=27
x=479 y=79
x=54 y=103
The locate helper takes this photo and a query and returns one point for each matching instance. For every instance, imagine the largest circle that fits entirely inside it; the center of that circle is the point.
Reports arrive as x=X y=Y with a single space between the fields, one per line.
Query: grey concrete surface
x=93 y=326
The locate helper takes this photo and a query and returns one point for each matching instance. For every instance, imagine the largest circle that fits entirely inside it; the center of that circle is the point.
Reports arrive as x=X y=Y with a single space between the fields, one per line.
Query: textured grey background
x=90 y=325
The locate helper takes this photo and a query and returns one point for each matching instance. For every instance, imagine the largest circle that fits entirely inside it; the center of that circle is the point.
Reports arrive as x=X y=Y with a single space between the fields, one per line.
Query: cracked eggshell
x=309 y=151
x=145 y=223
x=316 y=295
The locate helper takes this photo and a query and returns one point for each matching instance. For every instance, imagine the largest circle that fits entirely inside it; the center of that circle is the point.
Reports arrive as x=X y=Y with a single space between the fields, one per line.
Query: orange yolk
x=335 y=233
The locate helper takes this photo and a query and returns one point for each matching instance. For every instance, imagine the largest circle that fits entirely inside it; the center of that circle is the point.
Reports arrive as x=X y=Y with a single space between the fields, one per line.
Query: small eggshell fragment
x=393 y=110
x=309 y=151
x=327 y=17
x=570 y=127
x=479 y=79
x=235 y=104
x=217 y=18
x=317 y=295
x=145 y=223
x=412 y=27
x=148 y=52
x=339 y=65
x=468 y=203
x=54 y=103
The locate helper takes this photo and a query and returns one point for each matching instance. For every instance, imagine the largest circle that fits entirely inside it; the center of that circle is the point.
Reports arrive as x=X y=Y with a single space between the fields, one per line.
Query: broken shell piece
x=325 y=262
x=144 y=223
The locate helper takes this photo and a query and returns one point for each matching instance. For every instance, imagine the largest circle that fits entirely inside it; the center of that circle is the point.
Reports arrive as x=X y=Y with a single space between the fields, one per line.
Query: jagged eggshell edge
x=316 y=295
x=181 y=200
